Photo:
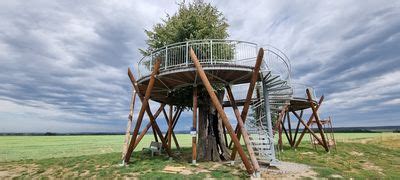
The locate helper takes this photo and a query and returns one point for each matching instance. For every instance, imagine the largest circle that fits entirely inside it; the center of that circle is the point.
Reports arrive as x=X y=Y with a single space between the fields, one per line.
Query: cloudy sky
x=63 y=63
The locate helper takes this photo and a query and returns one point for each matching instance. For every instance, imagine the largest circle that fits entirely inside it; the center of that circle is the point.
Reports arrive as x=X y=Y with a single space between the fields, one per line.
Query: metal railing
x=209 y=51
x=277 y=62
x=213 y=52
x=299 y=91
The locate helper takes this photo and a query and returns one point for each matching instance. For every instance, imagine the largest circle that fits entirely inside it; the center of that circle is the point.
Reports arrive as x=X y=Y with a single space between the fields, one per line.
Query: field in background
x=359 y=155
x=42 y=147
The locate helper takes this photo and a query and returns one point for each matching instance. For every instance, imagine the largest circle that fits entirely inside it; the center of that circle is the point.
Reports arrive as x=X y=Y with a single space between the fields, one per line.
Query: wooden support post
x=194 y=126
x=249 y=95
x=246 y=137
x=148 y=110
x=221 y=112
x=129 y=124
x=309 y=122
x=174 y=121
x=316 y=117
x=297 y=128
x=285 y=131
x=171 y=109
x=290 y=130
x=282 y=116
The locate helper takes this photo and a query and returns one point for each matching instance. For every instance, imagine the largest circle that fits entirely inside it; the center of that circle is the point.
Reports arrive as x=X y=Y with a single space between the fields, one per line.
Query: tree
x=194 y=21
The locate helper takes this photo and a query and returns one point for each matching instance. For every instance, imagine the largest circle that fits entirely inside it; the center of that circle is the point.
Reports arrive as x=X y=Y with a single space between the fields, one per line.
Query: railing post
x=166 y=57
x=151 y=61
x=211 y=46
x=187 y=53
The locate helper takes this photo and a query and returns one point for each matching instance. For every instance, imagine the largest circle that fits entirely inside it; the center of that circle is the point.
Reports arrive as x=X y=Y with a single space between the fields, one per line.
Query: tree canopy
x=194 y=20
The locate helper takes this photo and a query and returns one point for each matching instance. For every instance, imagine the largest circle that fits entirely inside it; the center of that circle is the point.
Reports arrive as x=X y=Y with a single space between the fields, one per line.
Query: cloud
x=63 y=65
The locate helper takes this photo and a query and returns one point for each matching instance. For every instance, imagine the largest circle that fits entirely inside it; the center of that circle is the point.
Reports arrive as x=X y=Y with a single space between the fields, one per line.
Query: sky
x=63 y=64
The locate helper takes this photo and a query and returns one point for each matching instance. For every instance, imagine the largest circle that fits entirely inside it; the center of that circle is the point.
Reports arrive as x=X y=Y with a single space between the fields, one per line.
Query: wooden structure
x=317 y=135
x=203 y=63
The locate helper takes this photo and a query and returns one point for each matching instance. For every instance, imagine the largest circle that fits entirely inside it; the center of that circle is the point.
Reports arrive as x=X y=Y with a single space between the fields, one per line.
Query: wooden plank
x=221 y=112
x=246 y=137
x=245 y=110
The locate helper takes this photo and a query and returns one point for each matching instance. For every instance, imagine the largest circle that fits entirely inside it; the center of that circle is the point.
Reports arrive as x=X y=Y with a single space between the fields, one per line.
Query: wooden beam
x=285 y=131
x=316 y=117
x=129 y=124
x=221 y=112
x=242 y=128
x=170 y=121
x=297 y=128
x=247 y=102
x=194 y=126
x=321 y=99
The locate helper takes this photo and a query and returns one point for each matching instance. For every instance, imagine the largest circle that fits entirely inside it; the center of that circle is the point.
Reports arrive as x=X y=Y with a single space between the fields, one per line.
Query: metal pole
x=187 y=53
x=194 y=137
x=211 y=44
x=269 y=121
x=166 y=57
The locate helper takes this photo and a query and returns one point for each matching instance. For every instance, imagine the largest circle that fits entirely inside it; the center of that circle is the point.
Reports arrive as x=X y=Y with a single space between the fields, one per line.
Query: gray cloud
x=63 y=63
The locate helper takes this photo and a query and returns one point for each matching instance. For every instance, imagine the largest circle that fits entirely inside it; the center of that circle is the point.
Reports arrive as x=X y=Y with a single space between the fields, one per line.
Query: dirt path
x=288 y=170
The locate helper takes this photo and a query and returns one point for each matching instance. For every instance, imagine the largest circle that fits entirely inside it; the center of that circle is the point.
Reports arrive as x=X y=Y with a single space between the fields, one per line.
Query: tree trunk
x=211 y=145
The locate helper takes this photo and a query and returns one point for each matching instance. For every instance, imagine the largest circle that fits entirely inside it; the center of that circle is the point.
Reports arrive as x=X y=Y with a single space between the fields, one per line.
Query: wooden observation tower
x=255 y=78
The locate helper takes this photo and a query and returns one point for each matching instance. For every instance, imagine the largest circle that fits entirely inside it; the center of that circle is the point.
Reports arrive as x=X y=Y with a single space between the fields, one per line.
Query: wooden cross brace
x=145 y=108
x=315 y=116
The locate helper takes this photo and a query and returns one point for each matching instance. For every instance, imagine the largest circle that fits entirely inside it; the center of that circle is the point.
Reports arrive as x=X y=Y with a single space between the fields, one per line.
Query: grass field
x=359 y=155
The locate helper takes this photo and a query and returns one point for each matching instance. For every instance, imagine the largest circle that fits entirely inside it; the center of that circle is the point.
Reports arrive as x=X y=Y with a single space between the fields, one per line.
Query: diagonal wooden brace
x=246 y=137
x=221 y=112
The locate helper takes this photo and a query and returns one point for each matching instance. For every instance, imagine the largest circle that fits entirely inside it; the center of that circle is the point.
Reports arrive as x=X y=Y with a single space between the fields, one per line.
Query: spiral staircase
x=274 y=88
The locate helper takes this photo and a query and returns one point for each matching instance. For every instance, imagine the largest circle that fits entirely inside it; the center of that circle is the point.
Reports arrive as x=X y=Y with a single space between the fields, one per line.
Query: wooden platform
x=172 y=79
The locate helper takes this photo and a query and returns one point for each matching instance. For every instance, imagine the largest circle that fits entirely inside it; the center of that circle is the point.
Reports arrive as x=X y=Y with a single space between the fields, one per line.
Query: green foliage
x=196 y=20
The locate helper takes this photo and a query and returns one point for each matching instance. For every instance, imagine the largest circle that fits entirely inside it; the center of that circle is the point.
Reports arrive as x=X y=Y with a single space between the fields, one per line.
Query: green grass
x=358 y=155
x=43 y=147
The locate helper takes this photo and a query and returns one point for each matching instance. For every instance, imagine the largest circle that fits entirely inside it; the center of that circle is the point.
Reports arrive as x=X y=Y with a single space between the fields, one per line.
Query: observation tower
x=257 y=82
